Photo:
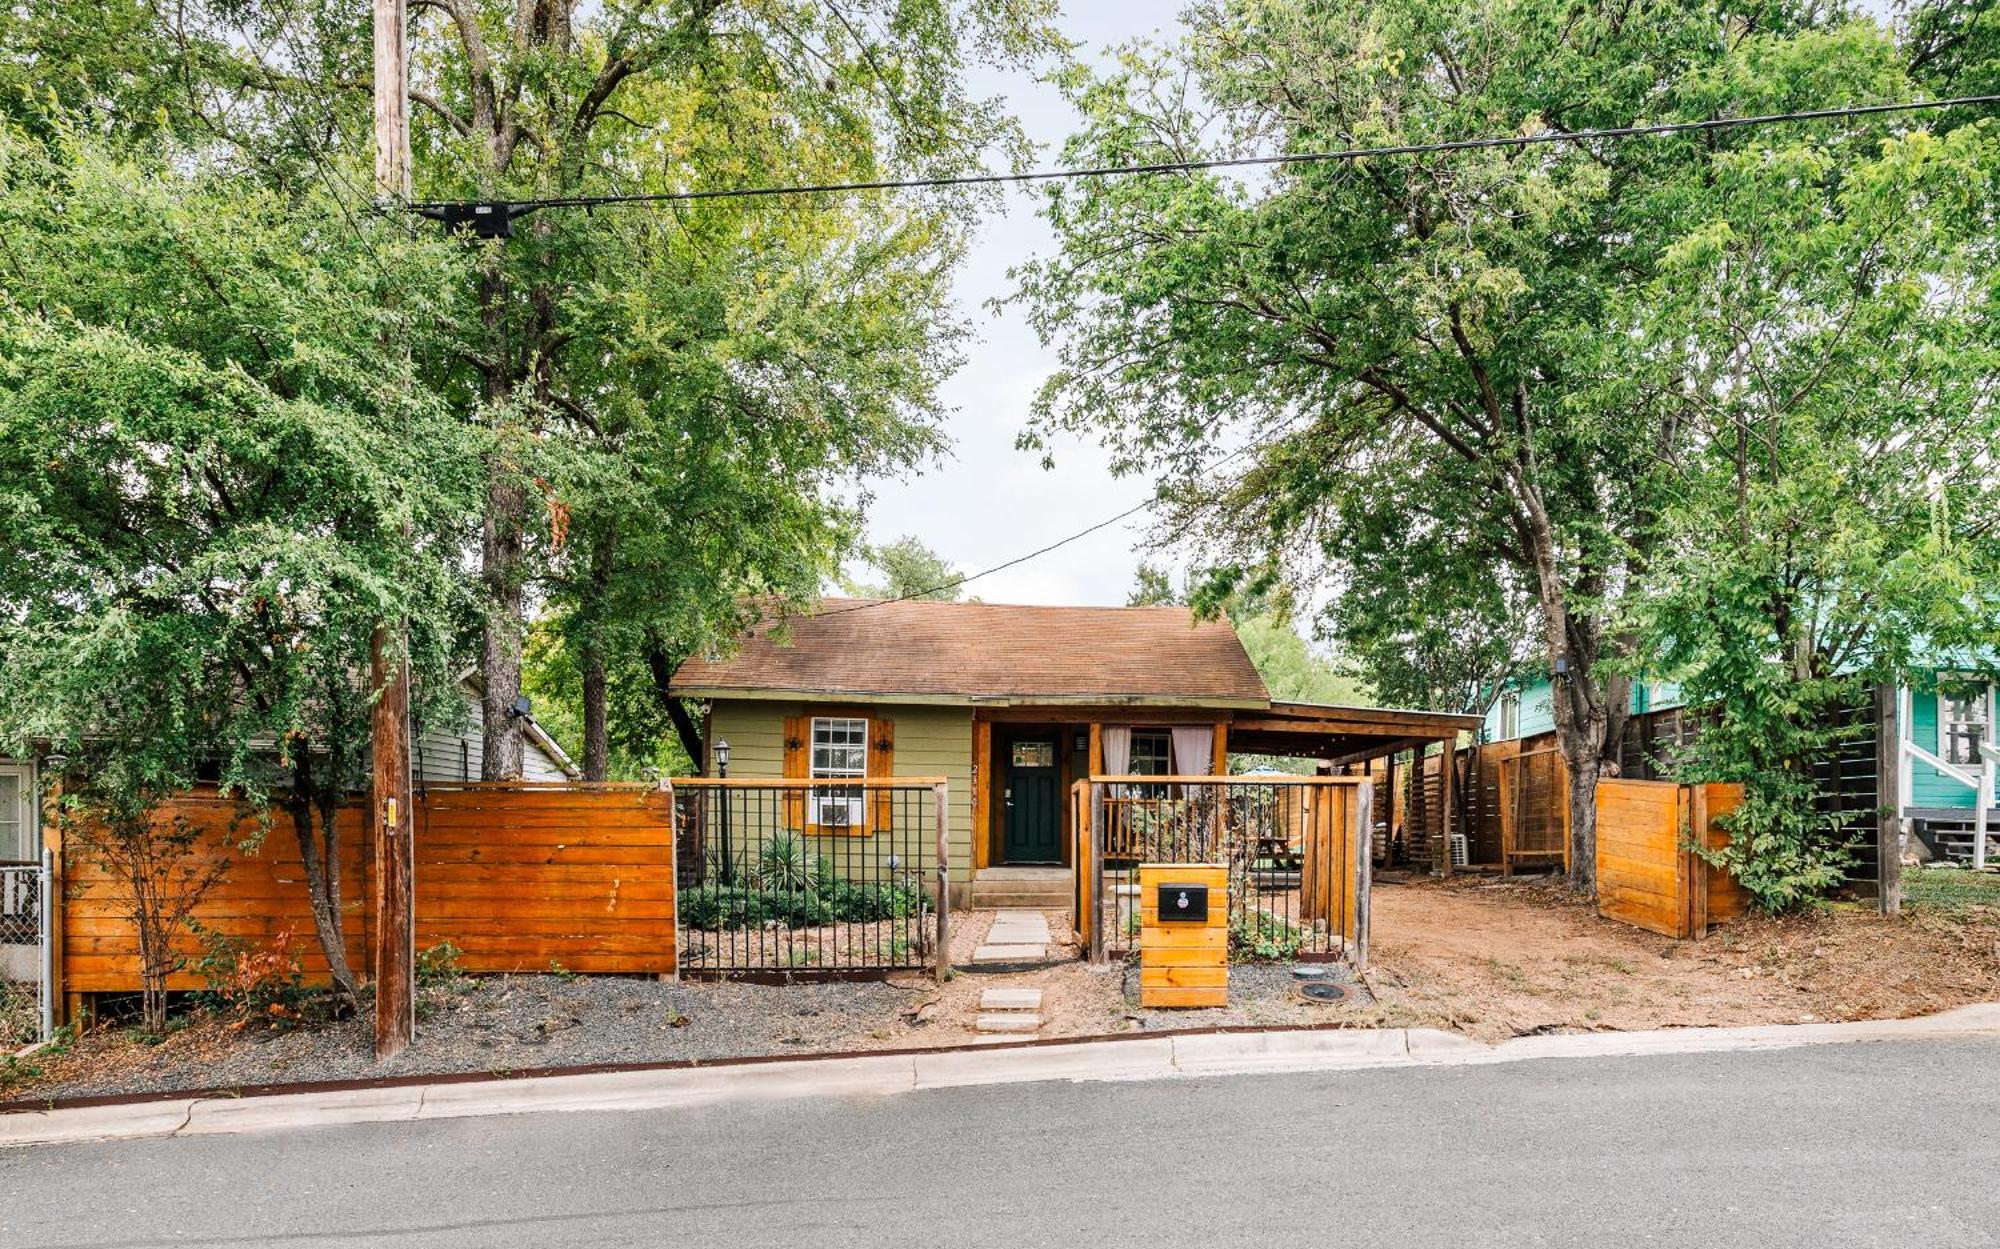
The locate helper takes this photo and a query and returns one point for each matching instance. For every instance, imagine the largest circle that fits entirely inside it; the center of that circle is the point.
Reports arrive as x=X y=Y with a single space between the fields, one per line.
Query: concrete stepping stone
x=1010 y=999
x=1010 y=953
x=1011 y=1021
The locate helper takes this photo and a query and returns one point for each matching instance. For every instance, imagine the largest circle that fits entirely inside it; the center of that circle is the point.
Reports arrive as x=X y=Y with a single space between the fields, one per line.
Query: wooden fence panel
x=1326 y=867
x=519 y=879
x=1640 y=876
x=261 y=895
x=1648 y=874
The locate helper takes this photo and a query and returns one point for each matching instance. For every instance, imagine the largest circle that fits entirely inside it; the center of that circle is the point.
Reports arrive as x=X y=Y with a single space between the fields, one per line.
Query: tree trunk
x=500 y=660
x=1580 y=696
x=322 y=865
x=596 y=735
x=684 y=726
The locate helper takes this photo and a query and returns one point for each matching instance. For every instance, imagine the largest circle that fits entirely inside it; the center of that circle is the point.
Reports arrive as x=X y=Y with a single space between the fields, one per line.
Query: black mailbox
x=1183 y=904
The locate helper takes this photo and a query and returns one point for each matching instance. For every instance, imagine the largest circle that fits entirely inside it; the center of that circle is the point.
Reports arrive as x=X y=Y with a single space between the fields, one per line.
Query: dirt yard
x=1496 y=958
x=1489 y=957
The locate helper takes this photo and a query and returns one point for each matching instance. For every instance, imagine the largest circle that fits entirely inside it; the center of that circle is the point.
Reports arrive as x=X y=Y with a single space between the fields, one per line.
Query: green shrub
x=1260 y=935
x=438 y=965
x=783 y=867
x=719 y=908
x=266 y=984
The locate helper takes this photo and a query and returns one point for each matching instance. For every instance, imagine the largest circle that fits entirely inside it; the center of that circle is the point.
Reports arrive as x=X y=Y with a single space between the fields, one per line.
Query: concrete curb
x=1143 y=1058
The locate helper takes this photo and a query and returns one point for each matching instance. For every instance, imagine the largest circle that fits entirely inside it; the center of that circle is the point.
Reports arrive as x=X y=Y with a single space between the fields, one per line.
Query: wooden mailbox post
x=1183 y=962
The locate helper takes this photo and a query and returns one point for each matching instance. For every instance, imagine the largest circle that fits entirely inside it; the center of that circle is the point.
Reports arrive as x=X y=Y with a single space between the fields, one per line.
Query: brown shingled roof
x=989 y=651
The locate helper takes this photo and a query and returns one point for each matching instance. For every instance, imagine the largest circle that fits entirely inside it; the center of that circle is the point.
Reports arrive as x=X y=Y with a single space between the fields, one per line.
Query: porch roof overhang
x=1342 y=734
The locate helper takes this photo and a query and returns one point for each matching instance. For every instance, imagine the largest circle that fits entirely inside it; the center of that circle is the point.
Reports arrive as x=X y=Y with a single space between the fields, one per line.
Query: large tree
x=680 y=398
x=1834 y=324
x=214 y=482
x=1450 y=337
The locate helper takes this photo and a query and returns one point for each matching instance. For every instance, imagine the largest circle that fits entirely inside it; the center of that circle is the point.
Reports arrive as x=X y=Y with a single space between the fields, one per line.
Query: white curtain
x=1117 y=740
x=1194 y=751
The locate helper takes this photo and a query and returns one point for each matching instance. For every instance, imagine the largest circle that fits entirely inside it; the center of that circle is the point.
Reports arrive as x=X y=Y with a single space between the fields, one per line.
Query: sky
x=988 y=503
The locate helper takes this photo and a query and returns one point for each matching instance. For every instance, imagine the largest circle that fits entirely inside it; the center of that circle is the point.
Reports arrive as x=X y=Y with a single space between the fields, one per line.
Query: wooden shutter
x=881 y=763
x=798 y=755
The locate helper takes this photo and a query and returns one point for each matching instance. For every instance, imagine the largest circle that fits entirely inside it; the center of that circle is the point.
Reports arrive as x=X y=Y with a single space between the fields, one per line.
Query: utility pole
x=388 y=646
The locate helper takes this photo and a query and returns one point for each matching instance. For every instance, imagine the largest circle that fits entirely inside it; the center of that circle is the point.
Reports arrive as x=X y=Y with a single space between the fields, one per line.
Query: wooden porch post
x=1447 y=799
x=982 y=792
x=1221 y=766
x=1389 y=810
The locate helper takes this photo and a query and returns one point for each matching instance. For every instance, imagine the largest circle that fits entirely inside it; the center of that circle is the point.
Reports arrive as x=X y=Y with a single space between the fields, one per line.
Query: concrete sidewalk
x=1139 y=1058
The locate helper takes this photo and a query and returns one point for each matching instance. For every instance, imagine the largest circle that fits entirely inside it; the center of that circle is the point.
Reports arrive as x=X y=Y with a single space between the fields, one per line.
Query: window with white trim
x=839 y=752
x=1510 y=716
x=1963 y=715
x=17 y=828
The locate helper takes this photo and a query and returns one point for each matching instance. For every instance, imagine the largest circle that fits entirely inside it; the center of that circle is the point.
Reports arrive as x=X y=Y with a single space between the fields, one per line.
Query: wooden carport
x=1357 y=738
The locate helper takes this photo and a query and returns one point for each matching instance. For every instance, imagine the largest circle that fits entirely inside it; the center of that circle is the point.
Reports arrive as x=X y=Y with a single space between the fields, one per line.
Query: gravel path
x=1260 y=994
x=503 y=1024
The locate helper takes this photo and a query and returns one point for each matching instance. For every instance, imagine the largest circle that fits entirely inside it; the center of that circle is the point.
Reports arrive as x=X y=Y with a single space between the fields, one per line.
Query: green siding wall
x=930 y=741
x=1928 y=786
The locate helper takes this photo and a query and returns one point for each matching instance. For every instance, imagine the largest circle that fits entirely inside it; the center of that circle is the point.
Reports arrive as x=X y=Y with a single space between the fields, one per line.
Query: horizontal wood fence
x=520 y=879
x=1648 y=873
x=517 y=876
x=260 y=896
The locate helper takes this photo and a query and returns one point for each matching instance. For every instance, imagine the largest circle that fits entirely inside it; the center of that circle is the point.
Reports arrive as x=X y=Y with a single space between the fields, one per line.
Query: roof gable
x=982 y=652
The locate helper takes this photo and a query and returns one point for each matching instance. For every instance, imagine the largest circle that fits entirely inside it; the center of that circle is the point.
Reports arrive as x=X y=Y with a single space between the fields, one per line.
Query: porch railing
x=1297 y=851
x=781 y=879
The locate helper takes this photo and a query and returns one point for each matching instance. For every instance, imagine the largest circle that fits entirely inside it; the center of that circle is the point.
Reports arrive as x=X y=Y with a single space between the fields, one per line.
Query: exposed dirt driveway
x=1496 y=958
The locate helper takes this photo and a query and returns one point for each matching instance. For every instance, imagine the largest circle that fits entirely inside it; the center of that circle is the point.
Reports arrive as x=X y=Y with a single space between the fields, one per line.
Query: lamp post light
x=722 y=773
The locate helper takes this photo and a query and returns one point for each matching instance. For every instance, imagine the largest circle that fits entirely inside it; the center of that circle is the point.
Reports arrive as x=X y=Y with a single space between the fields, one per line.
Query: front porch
x=1025 y=759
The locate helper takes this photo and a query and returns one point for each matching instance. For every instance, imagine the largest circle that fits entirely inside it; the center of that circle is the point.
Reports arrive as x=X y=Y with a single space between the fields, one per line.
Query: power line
x=490 y=218
x=1059 y=543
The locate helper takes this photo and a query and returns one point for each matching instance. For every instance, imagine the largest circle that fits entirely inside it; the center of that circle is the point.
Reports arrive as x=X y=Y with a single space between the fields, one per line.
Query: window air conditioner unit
x=830 y=811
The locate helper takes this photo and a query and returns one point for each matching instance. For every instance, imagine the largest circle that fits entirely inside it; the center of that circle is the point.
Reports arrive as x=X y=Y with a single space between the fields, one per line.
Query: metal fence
x=1296 y=849
x=24 y=956
x=800 y=878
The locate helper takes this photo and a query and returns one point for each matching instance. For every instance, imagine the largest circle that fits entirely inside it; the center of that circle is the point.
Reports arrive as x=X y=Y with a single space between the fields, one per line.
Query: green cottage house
x=1010 y=704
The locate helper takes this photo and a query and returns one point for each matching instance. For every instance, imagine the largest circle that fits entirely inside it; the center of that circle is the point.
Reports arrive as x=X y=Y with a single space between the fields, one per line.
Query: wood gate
x=1648 y=873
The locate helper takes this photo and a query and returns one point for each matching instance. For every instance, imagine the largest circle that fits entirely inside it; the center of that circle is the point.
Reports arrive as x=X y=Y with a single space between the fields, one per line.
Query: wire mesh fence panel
x=805 y=878
x=23 y=956
x=1289 y=846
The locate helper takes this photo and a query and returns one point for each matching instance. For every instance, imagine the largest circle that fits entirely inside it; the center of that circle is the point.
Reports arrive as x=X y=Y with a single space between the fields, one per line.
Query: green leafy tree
x=1454 y=333
x=1290 y=668
x=680 y=398
x=1153 y=587
x=911 y=570
x=214 y=483
x=1833 y=320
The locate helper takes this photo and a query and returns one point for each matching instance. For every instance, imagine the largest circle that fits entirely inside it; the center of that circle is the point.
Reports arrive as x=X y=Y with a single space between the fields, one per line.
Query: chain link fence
x=24 y=963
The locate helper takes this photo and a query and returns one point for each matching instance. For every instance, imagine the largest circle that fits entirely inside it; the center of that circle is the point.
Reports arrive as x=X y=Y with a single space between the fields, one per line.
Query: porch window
x=839 y=752
x=1963 y=711
x=1152 y=750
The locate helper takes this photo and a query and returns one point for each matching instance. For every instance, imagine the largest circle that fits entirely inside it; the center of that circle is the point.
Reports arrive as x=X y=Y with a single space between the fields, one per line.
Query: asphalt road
x=1837 y=1145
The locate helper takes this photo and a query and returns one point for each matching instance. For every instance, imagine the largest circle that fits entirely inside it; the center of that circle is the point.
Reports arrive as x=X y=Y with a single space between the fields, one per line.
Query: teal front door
x=1031 y=802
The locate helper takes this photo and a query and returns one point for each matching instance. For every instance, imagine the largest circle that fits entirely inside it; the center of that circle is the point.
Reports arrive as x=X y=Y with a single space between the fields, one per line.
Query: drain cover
x=1323 y=991
x=1310 y=971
